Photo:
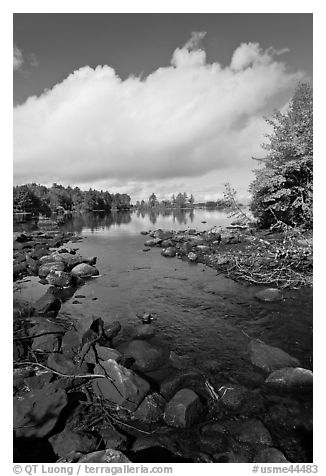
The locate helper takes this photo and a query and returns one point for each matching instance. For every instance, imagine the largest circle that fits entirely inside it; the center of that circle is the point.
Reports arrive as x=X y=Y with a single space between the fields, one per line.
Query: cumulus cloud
x=186 y=120
x=18 y=59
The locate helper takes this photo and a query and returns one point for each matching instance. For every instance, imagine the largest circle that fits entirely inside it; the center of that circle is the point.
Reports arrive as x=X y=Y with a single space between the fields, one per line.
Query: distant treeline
x=39 y=199
x=181 y=200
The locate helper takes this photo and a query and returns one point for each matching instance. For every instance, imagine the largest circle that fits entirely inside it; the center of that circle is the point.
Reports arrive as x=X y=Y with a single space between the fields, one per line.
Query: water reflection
x=132 y=222
x=181 y=216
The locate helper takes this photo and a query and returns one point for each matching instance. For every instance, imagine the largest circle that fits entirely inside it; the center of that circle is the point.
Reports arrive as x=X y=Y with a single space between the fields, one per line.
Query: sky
x=142 y=103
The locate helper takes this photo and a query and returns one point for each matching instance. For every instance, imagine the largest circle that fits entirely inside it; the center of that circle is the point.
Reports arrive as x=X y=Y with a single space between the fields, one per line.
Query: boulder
x=269 y=295
x=153 y=242
x=112 y=329
x=106 y=353
x=181 y=379
x=47 y=268
x=123 y=386
x=37 y=413
x=50 y=341
x=84 y=270
x=48 y=303
x=234 y=397
x=60 y=279
x=270 y=455
x=32 y=265
x=183 y=410
x=147 y=356
x=291 y=378
x=269 y=358
x=163 y=234
x=19 y=268
x=169 y=252
x=36 y=254
x=70 y=343
x=67 y=441
x=151 y=409
x=253 y=432
x=61 y=363
x=185 y=248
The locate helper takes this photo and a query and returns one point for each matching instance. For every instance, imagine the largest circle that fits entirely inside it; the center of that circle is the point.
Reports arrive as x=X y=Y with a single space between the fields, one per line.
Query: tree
x=283 y=187
x=191 y=199
x=152 y=201
x=24 y=200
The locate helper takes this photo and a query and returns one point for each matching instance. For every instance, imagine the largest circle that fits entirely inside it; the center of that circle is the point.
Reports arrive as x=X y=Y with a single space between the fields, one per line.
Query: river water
x=197 y=312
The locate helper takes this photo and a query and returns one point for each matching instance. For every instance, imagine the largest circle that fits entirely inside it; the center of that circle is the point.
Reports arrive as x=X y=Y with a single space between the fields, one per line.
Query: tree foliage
x=37 y=199
x=283 y=188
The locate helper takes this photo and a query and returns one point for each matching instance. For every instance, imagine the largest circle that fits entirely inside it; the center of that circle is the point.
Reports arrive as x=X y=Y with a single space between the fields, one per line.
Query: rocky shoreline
x=102 y=397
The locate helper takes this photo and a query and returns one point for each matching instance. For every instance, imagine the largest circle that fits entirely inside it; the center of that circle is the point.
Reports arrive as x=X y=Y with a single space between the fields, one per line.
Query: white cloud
x=184 y=121
x=18 y=59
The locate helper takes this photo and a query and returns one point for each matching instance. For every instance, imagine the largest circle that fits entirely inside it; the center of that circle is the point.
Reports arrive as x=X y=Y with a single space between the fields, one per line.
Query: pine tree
x=282 y=189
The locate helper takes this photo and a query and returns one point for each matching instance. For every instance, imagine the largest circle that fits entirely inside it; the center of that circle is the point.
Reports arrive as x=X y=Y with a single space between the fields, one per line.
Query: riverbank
x=282 y=260
x=76 y=376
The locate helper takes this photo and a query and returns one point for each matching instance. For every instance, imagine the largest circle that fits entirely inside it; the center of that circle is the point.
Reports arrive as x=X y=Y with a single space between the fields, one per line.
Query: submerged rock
x=270 y=358
x=147 y=356
x=84 y=270
x=125 y=387
x=291 y=378
x=234 y=396
x=145 y=331
x=269 y=295
x=184 y=409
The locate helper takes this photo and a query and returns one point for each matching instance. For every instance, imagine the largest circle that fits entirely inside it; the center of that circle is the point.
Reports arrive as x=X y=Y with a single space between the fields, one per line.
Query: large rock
x=291 y=378
x=147 y=356
x=123 y=386
x=153 y=242
x=163 y=234
x=48 y=303
x=184 y=409
x=182 y=379
x=37 y=413
x=269 y=358
x=50 y=340
x=84 y=270
x=106 y=353
x=67 y=441
x=270 y=455
x=64 y=365
x=253 y=432
x=47 y=268
x=269 y=295
x=169 y=252
x=60 y=279
x=151 y=408
x=234 y=396
x=70 y=343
